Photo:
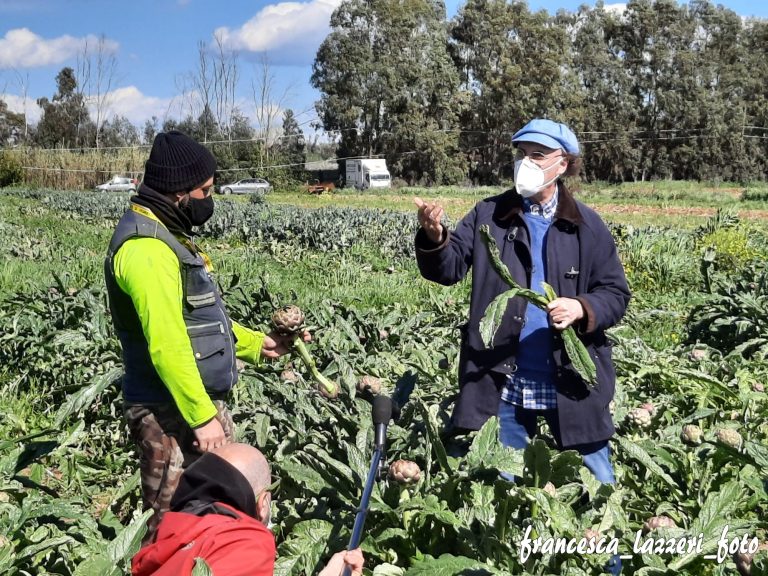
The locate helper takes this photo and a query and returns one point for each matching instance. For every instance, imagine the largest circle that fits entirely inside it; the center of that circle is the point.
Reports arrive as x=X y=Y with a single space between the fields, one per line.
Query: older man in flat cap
x=544 y=235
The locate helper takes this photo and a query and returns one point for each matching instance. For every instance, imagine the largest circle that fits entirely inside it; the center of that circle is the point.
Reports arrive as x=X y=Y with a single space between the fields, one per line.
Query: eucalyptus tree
x=604 y=117
x=514 y=66
x=388 y=87
x=65 y=121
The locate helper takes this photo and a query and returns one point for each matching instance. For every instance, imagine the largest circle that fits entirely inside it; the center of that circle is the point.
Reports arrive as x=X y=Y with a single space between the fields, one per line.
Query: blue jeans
x=519 y=425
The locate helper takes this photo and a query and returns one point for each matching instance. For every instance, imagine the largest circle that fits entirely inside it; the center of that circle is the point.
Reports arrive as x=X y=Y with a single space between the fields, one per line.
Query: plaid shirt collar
x=546 y=210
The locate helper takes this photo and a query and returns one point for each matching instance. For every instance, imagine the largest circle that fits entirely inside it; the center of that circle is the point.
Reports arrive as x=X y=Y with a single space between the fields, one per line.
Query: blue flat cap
x=548 y=133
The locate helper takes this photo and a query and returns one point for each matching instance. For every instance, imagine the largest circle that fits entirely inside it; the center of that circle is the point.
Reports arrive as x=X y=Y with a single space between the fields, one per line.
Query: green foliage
x=65 y=121
x=733 y=248
x=580 y=360
x=11 y=170
x=323 y=229
x=658 y=260
x=659 y=91
x=12 y=126
x=68 y=478
x=734 y=318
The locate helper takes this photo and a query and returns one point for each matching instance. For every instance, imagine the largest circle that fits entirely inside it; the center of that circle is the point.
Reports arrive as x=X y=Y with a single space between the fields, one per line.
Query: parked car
x=119 y=184
x=246 y=186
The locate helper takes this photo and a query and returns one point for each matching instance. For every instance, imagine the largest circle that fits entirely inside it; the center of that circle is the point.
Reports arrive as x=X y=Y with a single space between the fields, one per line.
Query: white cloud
x=615 y=9
x=127 y=101
x=21 y=106
x=22 y=48
x=290 y=31
x=137 y=107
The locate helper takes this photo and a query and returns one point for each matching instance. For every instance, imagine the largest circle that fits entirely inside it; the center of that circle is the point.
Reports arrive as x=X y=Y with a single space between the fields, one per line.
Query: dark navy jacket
x=582 y=263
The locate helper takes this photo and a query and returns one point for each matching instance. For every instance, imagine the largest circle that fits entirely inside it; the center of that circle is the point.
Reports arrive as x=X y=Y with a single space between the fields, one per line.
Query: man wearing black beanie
x=179 y=344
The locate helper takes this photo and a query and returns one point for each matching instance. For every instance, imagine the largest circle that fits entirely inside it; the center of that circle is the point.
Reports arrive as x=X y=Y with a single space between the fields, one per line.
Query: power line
x=256 y=139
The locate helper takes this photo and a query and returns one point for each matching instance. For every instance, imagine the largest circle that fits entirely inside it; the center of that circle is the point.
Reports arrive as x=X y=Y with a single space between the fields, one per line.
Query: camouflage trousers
x=165 y=443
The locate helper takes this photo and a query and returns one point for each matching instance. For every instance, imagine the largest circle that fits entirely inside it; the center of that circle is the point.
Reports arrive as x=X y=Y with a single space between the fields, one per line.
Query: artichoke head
x=288 y=320
x=404 y=472
x=729 y=437
x=369 y=384
x=658 y=522
x=691 y=434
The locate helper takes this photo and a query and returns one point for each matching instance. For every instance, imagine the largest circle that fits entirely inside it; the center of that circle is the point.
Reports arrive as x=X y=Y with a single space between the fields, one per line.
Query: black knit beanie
x=177 y=163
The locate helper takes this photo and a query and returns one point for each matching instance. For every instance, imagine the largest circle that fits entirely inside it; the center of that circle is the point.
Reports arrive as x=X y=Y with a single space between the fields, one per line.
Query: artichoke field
x=690 y=452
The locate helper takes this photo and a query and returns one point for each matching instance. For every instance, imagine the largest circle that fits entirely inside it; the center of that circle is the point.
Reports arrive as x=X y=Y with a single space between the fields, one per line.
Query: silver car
x=246 y=186
x=118 y=184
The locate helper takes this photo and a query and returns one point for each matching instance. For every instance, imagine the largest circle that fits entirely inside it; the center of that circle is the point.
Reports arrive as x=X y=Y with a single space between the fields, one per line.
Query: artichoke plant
x=289 y=321
x=405 y=473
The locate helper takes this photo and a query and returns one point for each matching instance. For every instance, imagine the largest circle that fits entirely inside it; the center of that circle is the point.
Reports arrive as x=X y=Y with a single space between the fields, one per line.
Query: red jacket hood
x=229 y=545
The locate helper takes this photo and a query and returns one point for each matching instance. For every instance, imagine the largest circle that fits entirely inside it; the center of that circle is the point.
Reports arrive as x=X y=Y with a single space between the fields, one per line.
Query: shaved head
x=250 y=462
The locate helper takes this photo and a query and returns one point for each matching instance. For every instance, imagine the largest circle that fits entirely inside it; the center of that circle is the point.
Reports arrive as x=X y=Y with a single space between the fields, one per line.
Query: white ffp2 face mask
x=529 y=178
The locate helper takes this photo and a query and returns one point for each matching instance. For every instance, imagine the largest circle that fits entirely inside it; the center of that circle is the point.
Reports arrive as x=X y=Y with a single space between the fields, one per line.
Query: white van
x=365 y=173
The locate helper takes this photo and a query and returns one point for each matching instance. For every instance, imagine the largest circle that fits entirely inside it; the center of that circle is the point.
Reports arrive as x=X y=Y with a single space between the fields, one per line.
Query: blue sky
x=155 y=44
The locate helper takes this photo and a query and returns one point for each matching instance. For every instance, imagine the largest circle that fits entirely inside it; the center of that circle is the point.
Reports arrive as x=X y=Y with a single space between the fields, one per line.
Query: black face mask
x=198 y=210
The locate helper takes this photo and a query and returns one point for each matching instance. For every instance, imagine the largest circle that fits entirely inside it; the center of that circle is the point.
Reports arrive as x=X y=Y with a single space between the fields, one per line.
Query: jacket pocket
x=199 y=289
x=207 y=339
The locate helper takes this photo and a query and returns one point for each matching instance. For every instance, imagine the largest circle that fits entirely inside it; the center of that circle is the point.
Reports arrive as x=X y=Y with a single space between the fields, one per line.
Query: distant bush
x=11 y=170
x=732 y=246
x=758 y=195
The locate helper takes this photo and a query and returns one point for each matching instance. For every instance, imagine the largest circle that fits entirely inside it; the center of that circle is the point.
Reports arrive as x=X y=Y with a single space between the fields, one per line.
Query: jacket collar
x=510 y=204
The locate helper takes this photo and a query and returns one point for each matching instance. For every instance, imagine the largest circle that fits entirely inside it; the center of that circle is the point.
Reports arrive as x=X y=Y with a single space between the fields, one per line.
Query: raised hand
x=430 y=214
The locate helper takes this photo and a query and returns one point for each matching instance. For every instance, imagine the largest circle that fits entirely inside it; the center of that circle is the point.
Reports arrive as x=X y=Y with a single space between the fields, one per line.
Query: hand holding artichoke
x=288 y=323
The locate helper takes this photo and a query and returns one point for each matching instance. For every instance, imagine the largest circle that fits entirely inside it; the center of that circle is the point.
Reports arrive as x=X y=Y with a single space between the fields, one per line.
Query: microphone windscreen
x=382 y=410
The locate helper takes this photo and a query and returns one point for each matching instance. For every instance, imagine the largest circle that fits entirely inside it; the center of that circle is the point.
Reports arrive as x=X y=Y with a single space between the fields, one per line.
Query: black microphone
x=382 y=414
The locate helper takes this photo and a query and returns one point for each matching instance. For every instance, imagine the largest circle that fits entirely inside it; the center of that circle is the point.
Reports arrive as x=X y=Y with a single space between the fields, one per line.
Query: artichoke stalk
x=580 y=359
x=405 y=473
x=289 y=321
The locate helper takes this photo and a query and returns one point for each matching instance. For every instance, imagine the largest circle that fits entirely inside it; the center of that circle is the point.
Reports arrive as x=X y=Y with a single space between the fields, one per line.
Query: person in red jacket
x=220 y=513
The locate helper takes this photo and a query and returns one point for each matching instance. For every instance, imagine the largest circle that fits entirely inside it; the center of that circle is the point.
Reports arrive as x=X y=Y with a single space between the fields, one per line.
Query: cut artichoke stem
x=327 y=388
x=405 y=496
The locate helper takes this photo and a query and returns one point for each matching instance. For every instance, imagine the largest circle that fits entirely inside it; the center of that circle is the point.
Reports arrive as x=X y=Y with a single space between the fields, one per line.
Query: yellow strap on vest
x=206 y=261
x=145 y=212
